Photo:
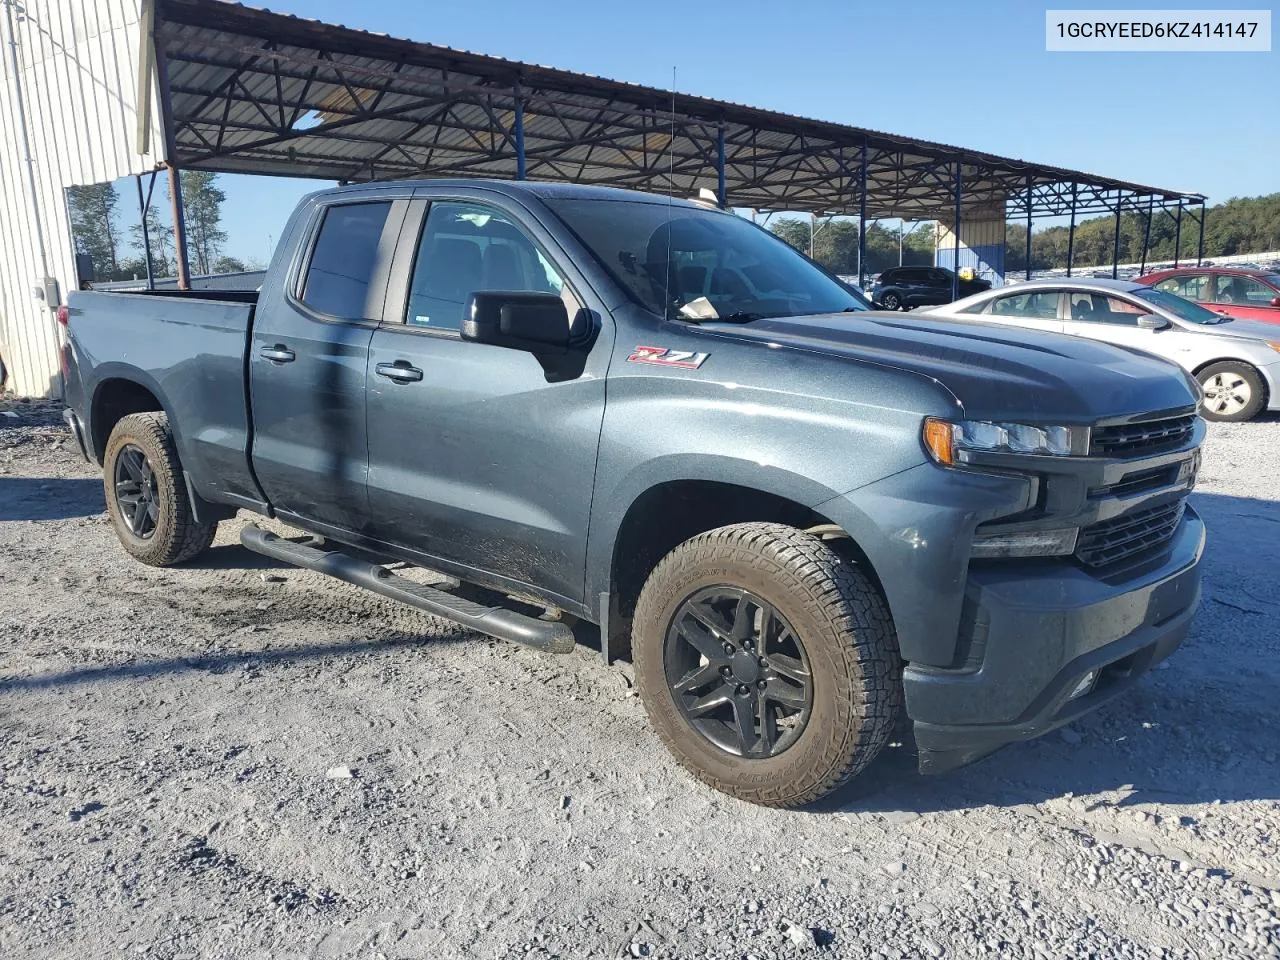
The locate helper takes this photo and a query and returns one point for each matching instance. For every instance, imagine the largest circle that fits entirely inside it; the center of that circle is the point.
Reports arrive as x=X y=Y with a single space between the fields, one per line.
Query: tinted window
x=690 y=262
x=1243 y=290
x=342 y=261
x=466 y=247
x=1190 y=286
x=1042 y=304
x=1096 y=308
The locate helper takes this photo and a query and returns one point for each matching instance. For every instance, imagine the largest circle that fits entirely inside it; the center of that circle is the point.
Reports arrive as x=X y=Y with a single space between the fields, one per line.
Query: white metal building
x=68 y=116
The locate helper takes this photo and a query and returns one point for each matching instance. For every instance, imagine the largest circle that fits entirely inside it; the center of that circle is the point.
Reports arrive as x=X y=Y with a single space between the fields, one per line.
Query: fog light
x=1085 y=685
x=1031 y=543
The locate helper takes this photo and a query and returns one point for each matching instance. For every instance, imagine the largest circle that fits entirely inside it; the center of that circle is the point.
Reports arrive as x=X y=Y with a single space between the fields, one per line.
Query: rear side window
x=1042 y=305
x=342 y=261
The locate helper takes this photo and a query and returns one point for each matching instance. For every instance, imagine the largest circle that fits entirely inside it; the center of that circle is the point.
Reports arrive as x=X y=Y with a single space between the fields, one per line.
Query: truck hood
x=996 y=373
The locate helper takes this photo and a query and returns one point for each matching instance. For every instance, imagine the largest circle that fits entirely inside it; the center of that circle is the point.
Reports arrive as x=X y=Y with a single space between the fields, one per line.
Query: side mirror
x=1150 y=322
x=537 y=323
x=1275 y=301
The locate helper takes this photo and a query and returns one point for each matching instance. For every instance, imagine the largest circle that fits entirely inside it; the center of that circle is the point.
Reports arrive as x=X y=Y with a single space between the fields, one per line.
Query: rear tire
x=891 y=301
x=146 y=495
x=1233 y=392
x=844 y=651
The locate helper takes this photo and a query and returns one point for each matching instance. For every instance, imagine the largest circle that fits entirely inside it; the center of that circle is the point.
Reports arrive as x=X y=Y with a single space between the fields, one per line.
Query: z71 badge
x=665 y=357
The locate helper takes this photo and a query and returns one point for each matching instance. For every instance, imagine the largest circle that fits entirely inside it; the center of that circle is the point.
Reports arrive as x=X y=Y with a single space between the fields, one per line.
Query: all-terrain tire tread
x=850 y=605
x=184 y=538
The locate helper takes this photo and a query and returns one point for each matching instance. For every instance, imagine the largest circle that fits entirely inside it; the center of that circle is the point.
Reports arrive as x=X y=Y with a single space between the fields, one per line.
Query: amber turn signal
x=938 y=438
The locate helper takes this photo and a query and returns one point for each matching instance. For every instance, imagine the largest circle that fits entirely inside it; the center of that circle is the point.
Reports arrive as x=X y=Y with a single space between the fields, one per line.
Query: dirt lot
x=235 y=760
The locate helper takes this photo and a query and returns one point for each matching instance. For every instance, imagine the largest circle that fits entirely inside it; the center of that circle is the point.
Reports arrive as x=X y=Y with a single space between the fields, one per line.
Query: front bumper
x=1032 y=633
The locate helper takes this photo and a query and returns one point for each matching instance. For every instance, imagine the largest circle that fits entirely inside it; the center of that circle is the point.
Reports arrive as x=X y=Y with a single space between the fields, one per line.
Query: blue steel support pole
x=1115 y=249
x=1028 y=226
x=955 y=259
x=1200 y=243
x=1071 y=232
x=862 y=216
x=1146 y=234
x=720 y=188
x=1177 y=234
x=520 y=159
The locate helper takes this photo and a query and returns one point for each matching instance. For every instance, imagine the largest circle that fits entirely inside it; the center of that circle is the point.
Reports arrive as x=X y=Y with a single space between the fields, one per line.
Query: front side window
x=1243 y=290
x=343 y=259
x=1042 y=304
x=466 y=248
x=688 y=262
x=1098 y=308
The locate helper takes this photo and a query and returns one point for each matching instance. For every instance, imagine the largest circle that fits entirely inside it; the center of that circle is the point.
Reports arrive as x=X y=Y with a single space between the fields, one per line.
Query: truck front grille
x=1142 y=439
x=1129 y=534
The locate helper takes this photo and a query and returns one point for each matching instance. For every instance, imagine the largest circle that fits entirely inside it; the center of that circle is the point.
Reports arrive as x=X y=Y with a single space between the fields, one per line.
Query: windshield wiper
x=740 y=317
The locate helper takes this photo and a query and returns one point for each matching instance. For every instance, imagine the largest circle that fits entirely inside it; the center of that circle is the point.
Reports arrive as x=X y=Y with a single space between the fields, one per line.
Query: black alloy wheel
x=738 y=672
x=135 y=492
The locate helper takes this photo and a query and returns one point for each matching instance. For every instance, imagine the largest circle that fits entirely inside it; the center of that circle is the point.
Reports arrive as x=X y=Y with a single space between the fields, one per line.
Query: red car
x=1246 y=294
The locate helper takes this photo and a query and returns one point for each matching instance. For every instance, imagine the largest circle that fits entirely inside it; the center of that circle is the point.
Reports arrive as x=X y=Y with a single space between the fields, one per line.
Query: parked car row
x=1236 y=362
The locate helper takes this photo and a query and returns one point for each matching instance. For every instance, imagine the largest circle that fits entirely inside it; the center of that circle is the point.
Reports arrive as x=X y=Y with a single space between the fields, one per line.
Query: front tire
x=767 y=665
x=891 y=301
x=146 y=496
x=1232 y=392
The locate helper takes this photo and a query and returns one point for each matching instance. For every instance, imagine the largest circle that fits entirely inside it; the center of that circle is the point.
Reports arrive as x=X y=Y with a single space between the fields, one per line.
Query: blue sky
x=963 y=73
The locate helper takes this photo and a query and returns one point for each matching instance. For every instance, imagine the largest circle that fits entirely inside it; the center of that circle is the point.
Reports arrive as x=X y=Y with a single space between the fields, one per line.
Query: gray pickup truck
x=588 y=406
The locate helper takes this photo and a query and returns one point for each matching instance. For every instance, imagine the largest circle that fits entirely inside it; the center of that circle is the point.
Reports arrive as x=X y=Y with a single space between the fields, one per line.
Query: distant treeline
x=1240 y=225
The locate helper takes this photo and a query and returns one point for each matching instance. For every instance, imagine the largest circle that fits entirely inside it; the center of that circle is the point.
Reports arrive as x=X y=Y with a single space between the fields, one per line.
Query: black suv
x=905 y=287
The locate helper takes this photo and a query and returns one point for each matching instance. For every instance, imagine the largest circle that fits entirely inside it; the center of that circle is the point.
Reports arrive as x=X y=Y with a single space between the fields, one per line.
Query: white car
x=1237 y=362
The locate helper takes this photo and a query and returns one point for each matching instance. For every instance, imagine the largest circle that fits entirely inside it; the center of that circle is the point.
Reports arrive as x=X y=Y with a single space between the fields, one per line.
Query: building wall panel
x=77 y=79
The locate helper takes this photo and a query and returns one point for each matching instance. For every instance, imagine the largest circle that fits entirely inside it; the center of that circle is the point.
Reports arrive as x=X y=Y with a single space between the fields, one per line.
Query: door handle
x=400 y=371
x=277 y=354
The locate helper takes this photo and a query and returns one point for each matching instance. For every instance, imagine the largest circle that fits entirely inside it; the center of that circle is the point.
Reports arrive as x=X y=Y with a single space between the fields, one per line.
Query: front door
x=476 y=456
x=308 y=360
x=1115 y=320
x=1246 y=298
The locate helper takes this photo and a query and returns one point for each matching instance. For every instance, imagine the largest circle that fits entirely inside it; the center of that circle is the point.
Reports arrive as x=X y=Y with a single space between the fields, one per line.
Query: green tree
x=229 y=265
x=94 y=228
x=160 y=235
x=202 y=207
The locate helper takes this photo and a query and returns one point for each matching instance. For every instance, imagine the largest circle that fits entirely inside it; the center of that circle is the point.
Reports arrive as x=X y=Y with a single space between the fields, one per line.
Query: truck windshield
x=689 y=263
x=1183 y=309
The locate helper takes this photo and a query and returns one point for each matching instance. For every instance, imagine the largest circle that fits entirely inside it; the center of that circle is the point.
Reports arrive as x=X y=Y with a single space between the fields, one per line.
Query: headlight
x=946 y=439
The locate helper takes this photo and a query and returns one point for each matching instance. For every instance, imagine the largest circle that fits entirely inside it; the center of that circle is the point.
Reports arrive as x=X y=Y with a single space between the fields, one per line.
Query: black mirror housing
x=537 y=323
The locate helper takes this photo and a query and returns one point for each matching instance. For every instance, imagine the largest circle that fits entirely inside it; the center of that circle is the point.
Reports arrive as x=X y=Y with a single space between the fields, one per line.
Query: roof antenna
x=671 y=187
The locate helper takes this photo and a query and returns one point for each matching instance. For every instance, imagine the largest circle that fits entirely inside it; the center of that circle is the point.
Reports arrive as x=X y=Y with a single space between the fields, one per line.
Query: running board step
x=497 y=622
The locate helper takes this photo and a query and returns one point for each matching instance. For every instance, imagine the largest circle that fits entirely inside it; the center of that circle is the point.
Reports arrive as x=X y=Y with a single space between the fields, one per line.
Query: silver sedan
x=1237 y=362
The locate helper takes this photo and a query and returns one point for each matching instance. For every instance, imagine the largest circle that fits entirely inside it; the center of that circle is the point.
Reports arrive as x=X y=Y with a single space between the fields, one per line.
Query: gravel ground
x=236 y=760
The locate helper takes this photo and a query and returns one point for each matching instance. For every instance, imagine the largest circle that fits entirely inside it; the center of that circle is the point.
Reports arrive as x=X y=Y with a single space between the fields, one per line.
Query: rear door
x=476 y=458
x=308 y=360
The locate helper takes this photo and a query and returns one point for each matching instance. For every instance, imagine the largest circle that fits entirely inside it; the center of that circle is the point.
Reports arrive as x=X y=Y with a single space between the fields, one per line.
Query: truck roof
x=516 y=188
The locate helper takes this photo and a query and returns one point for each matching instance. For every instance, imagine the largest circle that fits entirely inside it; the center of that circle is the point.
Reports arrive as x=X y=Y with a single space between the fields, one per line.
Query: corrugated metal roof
x=261 y=92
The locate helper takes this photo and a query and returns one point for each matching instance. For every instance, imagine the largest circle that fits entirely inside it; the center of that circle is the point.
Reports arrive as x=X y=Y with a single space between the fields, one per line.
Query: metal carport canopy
x=246 y=90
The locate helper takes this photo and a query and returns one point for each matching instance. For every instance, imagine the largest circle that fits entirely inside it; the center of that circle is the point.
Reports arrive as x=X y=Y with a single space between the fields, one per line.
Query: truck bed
x=191 y=347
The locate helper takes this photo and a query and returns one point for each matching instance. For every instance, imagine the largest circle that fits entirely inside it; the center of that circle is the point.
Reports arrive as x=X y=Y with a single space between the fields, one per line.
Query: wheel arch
x=669 y=512
x=1266 y=384
x=118 y=393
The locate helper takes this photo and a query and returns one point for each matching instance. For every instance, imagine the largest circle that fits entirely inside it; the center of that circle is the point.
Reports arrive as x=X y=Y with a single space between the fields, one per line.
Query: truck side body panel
x=189 y=353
